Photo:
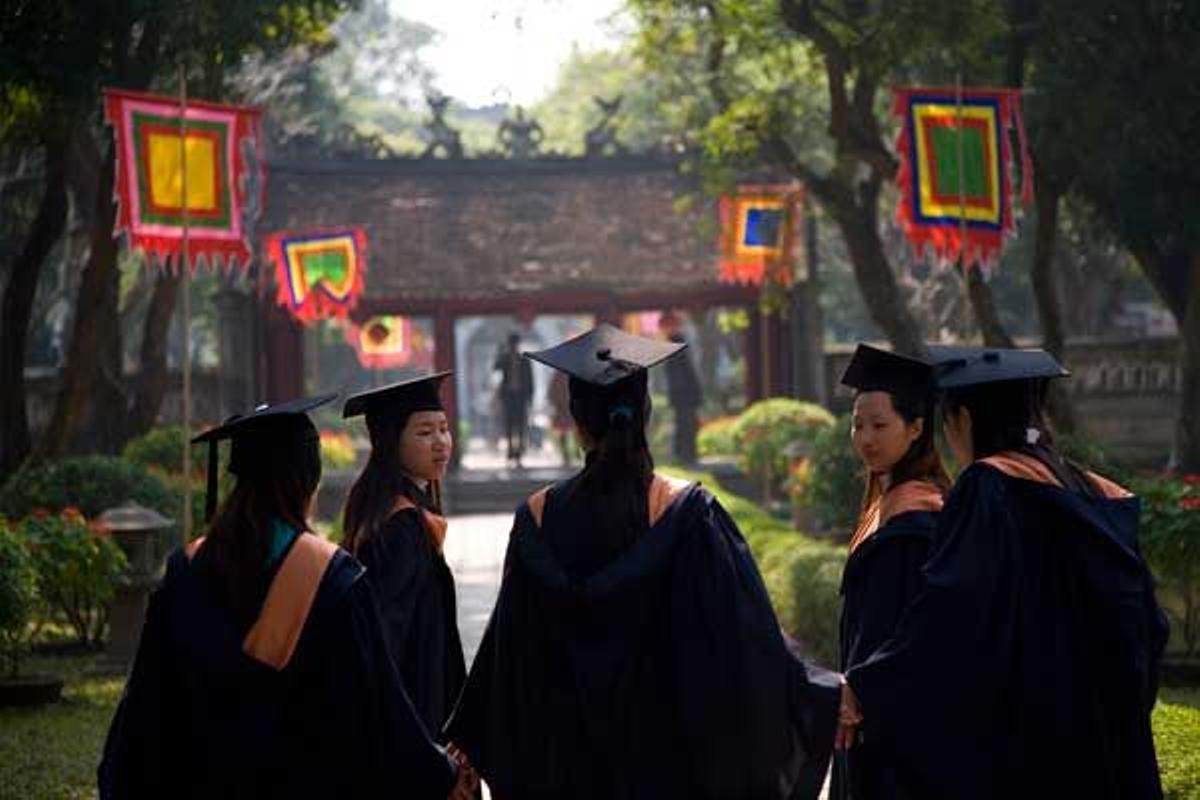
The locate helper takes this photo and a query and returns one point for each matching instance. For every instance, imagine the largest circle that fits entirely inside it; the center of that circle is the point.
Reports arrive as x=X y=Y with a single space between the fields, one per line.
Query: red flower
x=1191 y=480
x=72 y=514
x=1190 y=503
x=39 y=513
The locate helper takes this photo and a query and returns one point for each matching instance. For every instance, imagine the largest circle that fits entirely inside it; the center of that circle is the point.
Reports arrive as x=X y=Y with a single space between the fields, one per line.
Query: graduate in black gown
x=633 y=651
x=892 y=431
x=394 y=526
x=262 y=671
x=1028 y=666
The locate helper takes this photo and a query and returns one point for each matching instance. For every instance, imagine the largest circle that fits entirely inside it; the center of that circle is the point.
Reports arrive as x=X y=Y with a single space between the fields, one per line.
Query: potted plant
x=18 y=602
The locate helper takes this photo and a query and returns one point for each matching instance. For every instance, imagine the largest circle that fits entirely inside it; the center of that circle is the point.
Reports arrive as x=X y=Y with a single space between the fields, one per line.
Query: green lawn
x=52 y=752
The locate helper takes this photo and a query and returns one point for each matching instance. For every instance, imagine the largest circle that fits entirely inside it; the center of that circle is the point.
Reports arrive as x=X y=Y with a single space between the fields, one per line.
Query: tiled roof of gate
x=481 y=228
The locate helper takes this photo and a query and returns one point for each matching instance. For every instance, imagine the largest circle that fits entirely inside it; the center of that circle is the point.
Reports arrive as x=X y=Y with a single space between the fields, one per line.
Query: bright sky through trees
x=496 y=51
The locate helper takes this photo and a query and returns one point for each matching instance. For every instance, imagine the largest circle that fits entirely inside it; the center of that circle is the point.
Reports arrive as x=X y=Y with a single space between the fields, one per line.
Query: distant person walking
x=683 y=392
x=516 y=395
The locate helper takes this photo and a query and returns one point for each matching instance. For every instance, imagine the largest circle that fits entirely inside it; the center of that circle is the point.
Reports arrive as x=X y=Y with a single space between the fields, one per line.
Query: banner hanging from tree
x=220 y=145
x=759 y=228
x=390 y=341
x=957 y=171
x=319 y=274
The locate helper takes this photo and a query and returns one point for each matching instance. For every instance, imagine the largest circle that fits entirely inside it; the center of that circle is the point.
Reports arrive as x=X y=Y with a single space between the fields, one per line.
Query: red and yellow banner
x=390 y=341
x=956 y=171
x=221 y=149
x=319 y=274
x=759 y=227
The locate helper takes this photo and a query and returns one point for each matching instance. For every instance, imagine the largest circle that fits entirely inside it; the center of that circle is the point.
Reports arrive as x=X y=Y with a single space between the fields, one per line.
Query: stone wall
x=1126 y=393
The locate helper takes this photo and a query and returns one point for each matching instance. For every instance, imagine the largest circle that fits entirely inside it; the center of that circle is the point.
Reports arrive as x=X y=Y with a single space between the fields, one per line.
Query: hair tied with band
x=621 y=411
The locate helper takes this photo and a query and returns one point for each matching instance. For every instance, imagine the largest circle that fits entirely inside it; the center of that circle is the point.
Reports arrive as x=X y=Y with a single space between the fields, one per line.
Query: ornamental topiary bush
x=831 y=486
x=92 y=484
x=772 y=434
x=161 y=449
x=77 y=567
x=715 y=438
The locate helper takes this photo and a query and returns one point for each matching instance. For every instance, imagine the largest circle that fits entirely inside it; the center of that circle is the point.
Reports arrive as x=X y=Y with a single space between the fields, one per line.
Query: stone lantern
x=139 y=532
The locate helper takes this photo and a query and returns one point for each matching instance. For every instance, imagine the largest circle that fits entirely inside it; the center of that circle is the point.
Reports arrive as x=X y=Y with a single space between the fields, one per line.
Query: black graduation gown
x=416 y=595
x=1028 y=666
x=659 y=671
x=882 y=576
x=201 y=719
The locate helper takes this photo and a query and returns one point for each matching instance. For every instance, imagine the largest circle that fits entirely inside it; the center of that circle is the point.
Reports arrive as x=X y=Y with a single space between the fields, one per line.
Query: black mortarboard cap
x=405 y=397
x=605 y=355
x=956 y=366
x=875 y=370
x=260 y=439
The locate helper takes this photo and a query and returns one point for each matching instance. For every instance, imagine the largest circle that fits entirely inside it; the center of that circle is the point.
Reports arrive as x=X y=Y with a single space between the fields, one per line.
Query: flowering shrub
x=77 y=567
x=18 y=598
x=771 y=434
x=716 y=437
x=162 y=449
x=1170 y=541
x=337 y=449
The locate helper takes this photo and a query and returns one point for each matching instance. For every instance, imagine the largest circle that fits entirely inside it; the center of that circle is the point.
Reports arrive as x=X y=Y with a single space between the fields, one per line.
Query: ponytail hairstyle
x=372 y=498
x=921 y=461
x=619 y=467
x=1010 y=416
x=277 y=475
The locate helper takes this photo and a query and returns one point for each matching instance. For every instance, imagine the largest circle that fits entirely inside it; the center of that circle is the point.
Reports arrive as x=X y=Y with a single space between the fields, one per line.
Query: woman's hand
x=467 y=780
x=849 y=718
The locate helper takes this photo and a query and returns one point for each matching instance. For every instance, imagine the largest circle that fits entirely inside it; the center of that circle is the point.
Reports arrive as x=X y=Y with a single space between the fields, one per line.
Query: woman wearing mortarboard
x=262 y=670
x=892 y=431
x=1028 y=665
x=393 y=524
x=633 y=651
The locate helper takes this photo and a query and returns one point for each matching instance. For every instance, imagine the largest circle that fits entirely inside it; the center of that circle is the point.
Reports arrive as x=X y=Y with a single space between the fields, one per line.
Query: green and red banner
x=320 y=274
x=220 y=146
x=758 y=231
x=957 y=171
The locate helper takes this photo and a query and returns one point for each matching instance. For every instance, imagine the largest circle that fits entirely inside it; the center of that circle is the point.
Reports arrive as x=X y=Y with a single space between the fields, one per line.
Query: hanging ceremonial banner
x=221 y=147
x=956 y=171
x=758 y=231
x=389 y=341
x=321 y=274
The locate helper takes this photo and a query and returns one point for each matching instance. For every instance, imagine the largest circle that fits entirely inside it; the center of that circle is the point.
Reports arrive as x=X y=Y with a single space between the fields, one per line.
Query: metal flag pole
x=186 y=285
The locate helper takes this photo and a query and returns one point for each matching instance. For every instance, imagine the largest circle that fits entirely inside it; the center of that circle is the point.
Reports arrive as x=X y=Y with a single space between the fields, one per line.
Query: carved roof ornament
x=520 y=138
x=601 y=138
x=442 y=137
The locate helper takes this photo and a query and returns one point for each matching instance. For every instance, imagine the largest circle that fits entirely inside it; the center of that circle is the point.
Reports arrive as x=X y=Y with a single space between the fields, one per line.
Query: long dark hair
x=373 y=496
x=1002 y=416
x=921 y=461
x=277 y=484
x=619 y=466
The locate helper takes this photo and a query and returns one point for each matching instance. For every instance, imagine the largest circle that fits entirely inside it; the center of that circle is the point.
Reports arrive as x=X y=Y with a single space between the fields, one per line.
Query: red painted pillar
x=281 y=368
x=445 y=359
x=753 y=351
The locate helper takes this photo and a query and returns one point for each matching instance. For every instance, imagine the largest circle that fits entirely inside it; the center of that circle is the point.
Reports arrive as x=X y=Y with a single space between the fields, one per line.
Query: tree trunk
x=48 y=225
x=983 y=305
x=857 y=217
x=1046 y=293
x=89 y=372
x=152 y=379
x=1187 y=439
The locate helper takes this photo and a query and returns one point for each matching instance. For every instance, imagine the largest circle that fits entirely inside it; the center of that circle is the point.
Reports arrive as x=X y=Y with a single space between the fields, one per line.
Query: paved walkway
x=475 y=549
